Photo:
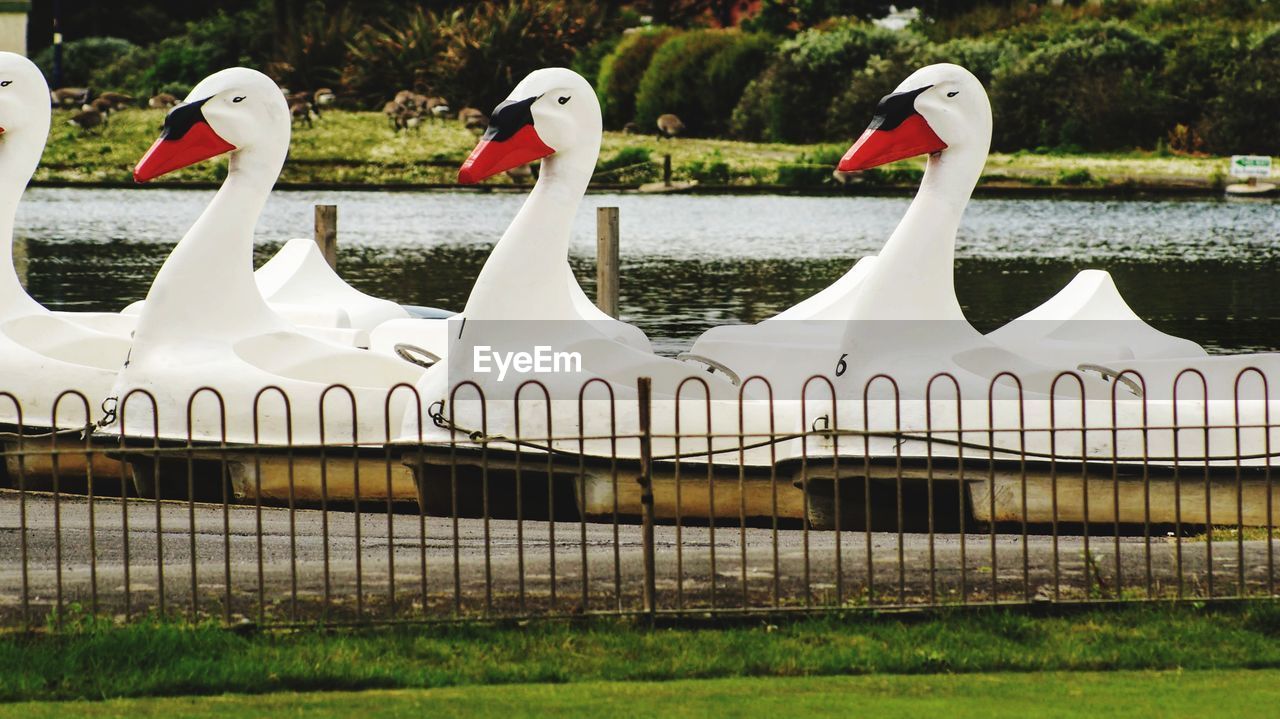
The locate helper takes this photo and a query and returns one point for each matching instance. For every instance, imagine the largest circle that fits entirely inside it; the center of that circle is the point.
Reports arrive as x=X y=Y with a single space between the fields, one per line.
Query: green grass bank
x=1141 y=695
x=358 y=149
x=96 y=660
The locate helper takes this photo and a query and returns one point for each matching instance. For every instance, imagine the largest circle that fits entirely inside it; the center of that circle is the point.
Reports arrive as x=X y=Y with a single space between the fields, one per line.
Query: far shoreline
x=1009 y=189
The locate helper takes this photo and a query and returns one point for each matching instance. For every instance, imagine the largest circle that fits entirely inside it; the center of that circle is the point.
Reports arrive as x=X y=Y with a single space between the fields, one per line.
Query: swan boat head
x=231 y=111
x=24 y=117
x=551 y=111
x=938 y=108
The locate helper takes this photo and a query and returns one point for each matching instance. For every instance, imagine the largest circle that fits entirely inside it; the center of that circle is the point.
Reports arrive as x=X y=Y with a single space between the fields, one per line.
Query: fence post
x=326 y=233
x=644 y=387
x=607 y=260
x=666 y=170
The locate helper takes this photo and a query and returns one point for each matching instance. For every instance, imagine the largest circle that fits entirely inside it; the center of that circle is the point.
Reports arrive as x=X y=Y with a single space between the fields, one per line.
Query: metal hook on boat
x=414 y=354
x=712 y=366
x=1107 y=374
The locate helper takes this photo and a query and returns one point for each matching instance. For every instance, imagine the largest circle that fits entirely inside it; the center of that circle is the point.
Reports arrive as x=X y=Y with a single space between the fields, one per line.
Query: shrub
x=311 y=56
x=1243 y=117
x=713 y=170
x=980 y=56
x=799 y=175
x=628 y=165
x=730 y=71
x=1098 y=88
x=392 y=56
x=473 y=55
x=852 y=109
x=494 y=45
x=1079 y=176
x=175 y=63
x=621 y=71
x=80 y=58
x=699 y=76
x=1196 y=56
x=790 y=99
x=588 y=59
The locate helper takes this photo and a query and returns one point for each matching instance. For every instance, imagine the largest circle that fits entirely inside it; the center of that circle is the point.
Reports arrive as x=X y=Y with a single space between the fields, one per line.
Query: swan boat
x=58 y=366
x=211 y=362
x=67 y=361
x=1080 y=383
x=578 y=420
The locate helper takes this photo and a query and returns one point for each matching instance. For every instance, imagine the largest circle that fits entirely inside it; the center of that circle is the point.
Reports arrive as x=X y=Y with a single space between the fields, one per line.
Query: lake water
x=1203 y=269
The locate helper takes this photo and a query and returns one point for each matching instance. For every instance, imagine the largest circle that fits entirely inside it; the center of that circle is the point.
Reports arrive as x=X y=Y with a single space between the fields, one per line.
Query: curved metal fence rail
x=873 y=501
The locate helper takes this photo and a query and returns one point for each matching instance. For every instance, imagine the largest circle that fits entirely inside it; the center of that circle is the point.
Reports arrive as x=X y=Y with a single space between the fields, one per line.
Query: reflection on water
x=1202 y=269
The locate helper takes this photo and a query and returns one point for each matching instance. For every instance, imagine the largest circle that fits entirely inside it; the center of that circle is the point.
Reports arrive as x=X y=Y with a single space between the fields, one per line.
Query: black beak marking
x=181 y=119
x=508 y=117
x=894 y=108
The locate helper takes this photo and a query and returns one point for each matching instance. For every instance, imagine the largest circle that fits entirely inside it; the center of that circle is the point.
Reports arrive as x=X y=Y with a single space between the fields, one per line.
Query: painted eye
x=953 y=93
x=563 y=100
x=6 y=83
x=237 y=99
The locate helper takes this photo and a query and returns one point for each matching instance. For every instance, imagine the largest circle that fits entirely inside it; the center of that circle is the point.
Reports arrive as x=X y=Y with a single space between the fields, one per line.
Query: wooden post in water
x=21 y=259
x=327 y=233
x=607 y=260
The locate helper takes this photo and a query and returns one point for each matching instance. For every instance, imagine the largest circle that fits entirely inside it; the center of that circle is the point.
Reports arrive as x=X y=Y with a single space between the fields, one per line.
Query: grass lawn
x=1143 y=695
x=99 y=660
x=361 y=148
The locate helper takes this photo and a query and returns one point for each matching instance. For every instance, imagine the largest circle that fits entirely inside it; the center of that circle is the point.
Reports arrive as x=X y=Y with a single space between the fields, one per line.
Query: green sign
x=1250 y=166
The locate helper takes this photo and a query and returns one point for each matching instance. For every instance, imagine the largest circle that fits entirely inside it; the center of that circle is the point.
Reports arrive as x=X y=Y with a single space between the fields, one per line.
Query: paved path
x=293 y=553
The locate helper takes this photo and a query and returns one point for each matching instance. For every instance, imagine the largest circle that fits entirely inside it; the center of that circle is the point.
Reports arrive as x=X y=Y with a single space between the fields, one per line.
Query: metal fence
x=838 y=516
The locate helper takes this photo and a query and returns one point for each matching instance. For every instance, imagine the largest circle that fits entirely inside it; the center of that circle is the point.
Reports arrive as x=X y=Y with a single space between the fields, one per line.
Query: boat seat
x=67 y=341
x=299 y=357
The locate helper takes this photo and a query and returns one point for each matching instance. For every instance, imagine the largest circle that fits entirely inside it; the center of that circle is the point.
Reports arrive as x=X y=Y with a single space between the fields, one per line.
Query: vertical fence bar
x=644 y=387
x=326 y=233
x=607 y=275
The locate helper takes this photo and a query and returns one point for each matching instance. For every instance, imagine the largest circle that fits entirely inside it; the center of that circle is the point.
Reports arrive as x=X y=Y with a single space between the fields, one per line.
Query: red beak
x=185 y=140
x=896 y=133
x=880 y=147
x=492 y=155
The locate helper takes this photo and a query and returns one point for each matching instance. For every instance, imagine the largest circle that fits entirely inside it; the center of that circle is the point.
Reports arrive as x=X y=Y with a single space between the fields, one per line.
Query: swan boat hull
x=310 y=476
x=504 y=480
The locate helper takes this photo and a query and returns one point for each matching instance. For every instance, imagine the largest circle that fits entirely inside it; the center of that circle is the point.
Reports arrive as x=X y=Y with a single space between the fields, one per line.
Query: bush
x=799 y=175
x=471 y=56
x=177 y=63
x=491 y=48
x=1243 y=118
x=1098 y=88
x=730 y=71
x=980 y=56
x=713 y=170
x=621 y=71
x=587 y=61
x=852 y=109
x=81 y=58
x=392 y=56
x=311 y=56
x=1079 y=176
x=790 y=100
x=699 y=76
x=1196 y=57
x=629 y=165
